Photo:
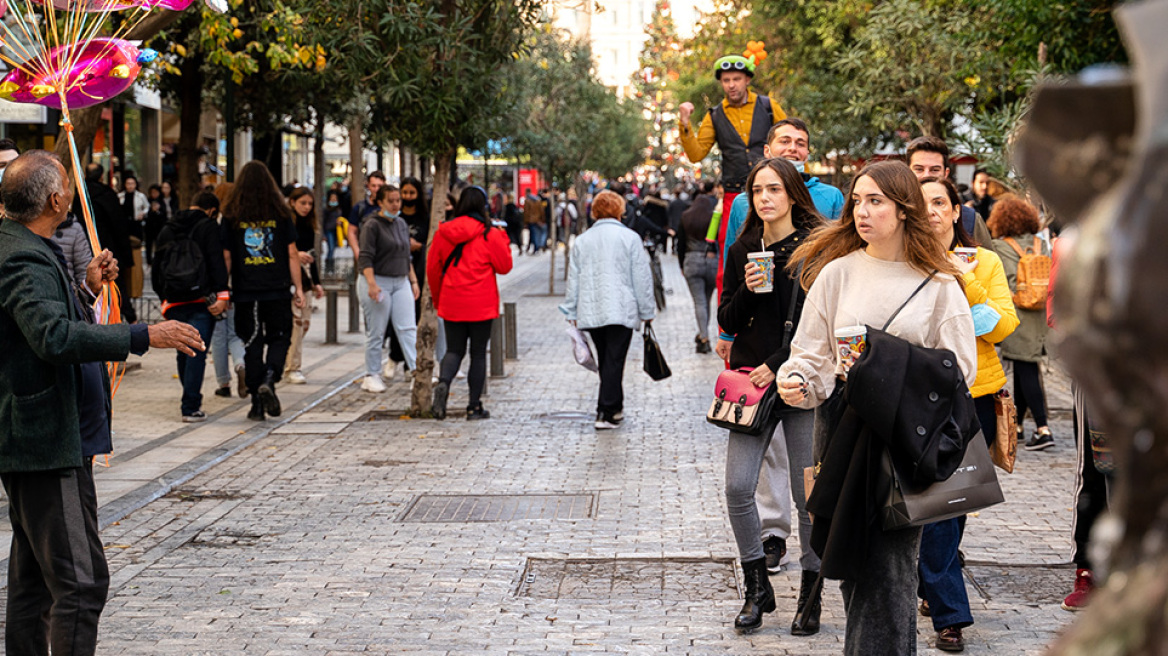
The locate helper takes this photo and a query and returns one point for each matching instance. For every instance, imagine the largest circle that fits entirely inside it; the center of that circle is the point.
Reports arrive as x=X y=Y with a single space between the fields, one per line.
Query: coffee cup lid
x=851 y=331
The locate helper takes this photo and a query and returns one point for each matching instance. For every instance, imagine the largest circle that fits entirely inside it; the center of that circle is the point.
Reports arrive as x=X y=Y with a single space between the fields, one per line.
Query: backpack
x=180 y=270
x=1033 y=278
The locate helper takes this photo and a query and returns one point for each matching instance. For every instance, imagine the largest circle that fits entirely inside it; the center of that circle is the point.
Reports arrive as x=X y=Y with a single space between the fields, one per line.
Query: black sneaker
x=474 y=414
x=605 y=421
x=704 y=347
x=257 y=410
x=224 y=391
x=441 y=391
x=196 y=416
x=1039 y=441
x=775 y=549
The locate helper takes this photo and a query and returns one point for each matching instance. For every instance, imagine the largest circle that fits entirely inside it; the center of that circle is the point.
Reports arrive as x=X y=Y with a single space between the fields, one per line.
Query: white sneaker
x=459 y=375
x=372 y=383
x=389 y=371
x=401 y=370
x=297 y=378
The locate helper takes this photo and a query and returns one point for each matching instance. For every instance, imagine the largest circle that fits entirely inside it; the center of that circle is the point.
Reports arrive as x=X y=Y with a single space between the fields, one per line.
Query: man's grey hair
x=28 y=182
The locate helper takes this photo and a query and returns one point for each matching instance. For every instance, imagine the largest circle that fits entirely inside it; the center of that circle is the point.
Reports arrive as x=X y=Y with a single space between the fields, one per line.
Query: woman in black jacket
x=781 y=217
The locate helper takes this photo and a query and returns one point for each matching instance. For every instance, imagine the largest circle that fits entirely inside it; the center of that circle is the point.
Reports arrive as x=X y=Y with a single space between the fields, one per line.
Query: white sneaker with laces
x=297 y=378
x=372 y=383
x=389 y=371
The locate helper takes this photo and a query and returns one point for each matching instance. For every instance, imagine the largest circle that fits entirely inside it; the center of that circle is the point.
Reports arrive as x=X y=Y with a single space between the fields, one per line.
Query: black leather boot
x=760 y=596
x=808 y=595
x=257 y=409
x=267 y=395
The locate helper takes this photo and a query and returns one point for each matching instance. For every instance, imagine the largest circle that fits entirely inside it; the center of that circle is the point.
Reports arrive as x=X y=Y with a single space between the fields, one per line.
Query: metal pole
x=510 y=332
x=496 y=346
x=330 y=317
x=354 y=308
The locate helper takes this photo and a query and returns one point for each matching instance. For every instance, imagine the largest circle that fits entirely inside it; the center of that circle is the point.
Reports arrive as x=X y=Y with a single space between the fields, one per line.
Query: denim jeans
x=939 y=569
x=191 y=369
x=224 y=344
x=745 y=457
x=701 y=272
x=396 y=307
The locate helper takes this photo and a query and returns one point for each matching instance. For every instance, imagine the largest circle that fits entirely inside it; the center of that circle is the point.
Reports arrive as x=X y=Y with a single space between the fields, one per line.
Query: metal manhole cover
x=566 y=416
x=1024 y=584
x=499 y=507
x=657 y=579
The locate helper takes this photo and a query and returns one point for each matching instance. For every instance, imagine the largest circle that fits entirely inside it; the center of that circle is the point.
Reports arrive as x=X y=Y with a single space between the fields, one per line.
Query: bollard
x=510 y=331
x=496 y=346
x=354 y=308
x=330 y=316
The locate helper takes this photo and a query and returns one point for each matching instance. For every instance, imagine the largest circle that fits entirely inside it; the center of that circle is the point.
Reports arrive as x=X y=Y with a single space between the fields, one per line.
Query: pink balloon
x=119 y=5
x=103 y=69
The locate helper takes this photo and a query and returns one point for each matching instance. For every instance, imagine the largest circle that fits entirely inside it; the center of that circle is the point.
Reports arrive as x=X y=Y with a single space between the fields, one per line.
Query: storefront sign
x=11 y=112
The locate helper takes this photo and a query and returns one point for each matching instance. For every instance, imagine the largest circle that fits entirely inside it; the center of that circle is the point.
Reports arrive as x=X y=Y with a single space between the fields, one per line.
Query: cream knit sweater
x=860 y=289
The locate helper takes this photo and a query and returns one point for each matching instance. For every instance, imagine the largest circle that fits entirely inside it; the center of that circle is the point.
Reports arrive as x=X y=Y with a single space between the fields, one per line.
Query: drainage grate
x=668 y=579
x=499 y=507
x=1021 y=584
x=566 y=416
x=183 y=494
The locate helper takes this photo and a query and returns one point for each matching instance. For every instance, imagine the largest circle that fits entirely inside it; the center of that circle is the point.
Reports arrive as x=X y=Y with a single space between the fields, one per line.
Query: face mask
x=410 y=203
x=388 y=215
x=799 y=166
x=985 y=318
x=332 y=203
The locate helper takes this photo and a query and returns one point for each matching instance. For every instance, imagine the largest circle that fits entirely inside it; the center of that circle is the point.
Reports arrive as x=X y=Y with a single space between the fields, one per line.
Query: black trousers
x=612 y=346
x=478 y=334
x=259 y=324
x=58 y=578
x=1091 y=486
x=1028 y=393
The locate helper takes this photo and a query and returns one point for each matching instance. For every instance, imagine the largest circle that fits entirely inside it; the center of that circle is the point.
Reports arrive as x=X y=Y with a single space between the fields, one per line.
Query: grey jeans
x=396 y=305
x=745 y=455
x=701 y=272
x=882 y=604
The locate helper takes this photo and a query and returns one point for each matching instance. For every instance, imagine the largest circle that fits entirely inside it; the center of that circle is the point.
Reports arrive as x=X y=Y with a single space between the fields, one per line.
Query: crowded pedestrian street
x=345 y=527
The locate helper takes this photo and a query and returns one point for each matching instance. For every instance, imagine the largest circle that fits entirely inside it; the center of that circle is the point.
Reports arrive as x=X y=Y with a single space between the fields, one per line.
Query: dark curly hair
x=1011 y=217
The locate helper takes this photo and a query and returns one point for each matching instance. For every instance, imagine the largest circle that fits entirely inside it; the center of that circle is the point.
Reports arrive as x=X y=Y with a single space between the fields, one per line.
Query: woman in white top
x=858 y=271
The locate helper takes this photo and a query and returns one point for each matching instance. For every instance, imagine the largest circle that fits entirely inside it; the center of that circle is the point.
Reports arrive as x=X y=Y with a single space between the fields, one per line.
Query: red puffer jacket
x=467 y=290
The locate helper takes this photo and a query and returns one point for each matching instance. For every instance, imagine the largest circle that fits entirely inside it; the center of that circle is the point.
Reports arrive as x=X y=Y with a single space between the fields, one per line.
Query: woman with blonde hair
x=610 y=293
x=879 y=265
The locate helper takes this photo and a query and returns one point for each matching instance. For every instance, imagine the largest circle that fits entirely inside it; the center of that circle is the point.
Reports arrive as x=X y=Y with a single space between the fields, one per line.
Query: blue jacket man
x=54 y=405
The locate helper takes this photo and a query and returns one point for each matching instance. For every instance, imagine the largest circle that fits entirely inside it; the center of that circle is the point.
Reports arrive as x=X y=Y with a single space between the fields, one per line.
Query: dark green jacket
x=44 y=341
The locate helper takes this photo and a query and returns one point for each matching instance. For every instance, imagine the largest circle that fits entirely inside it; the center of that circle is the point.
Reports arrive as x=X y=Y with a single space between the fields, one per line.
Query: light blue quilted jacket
x=609 y=281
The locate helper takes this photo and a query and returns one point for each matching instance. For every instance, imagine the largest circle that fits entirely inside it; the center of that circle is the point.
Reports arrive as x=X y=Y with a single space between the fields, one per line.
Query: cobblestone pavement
x=349 y=530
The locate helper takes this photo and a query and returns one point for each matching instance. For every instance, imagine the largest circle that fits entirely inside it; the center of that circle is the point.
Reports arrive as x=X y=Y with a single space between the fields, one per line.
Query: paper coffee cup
x=966 y=255
x=850 y=342
x=766 y=263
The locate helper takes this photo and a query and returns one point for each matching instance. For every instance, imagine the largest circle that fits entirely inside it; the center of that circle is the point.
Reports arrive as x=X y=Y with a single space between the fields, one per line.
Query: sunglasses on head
x=729 y=65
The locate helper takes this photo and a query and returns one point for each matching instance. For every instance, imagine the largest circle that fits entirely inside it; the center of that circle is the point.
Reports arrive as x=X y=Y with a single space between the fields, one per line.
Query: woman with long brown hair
x=780 y=218
x=259 y=242
x=880 y=261
x=303 y=204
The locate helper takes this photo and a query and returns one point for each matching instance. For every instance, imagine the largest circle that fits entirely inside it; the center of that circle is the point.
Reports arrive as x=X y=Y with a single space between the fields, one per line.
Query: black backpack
x=180 y=270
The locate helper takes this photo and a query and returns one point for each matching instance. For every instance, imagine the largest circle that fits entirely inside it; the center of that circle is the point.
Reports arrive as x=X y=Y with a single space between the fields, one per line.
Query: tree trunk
x=422 y=397
x=356 y=161
x=190 y=113
x=86 y=123
x=318 y=184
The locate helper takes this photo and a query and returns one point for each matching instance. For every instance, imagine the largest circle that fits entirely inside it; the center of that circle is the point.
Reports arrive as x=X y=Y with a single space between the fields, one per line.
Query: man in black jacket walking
x=190 y=277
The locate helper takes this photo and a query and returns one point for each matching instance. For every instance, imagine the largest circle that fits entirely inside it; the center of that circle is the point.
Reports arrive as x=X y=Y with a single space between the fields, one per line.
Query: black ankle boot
x=808 y=595
x=760 y=596
x=267 y=395
x=257 y=409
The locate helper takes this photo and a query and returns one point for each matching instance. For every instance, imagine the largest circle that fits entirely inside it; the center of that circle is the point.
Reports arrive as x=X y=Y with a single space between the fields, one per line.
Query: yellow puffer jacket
x=987 y=284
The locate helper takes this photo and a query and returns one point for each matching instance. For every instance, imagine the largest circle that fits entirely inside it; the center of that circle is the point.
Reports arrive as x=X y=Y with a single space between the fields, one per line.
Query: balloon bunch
x=58 y=56
x=756 y=51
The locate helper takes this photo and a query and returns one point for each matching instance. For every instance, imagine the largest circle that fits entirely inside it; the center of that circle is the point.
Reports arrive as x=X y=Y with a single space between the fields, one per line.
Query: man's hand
x=218 y=307
x=722 y=348
x=103 y=268
x=305 y=258
x=176 y=335
x=683 y=112
x=298 y=299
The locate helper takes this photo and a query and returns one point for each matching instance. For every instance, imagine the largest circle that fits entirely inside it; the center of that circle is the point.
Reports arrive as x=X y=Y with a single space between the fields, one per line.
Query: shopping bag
x=655 y=364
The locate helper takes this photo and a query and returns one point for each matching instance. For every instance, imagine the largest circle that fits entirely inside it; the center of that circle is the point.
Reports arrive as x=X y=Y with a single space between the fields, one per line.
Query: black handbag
x=972 y=487
x=655 y=364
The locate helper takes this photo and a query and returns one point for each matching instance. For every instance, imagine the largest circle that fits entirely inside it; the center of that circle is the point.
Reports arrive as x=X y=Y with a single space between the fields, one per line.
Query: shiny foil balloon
x=118 y=5
x=102 y=69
